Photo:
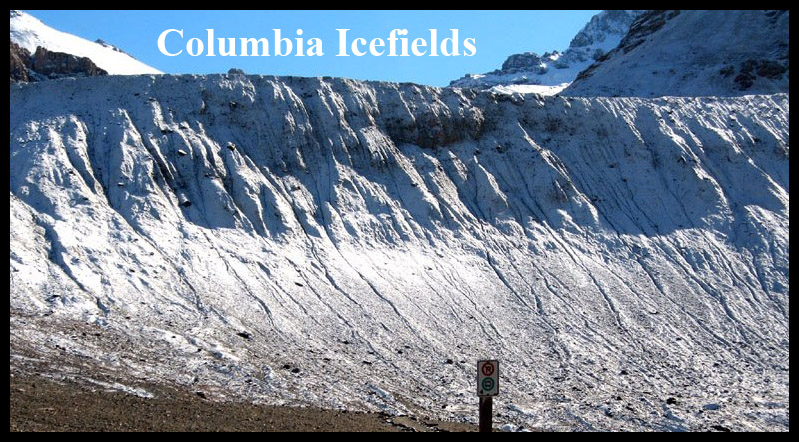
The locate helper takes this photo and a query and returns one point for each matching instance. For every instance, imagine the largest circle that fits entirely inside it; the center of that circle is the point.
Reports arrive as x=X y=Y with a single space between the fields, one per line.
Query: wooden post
x=486 y=405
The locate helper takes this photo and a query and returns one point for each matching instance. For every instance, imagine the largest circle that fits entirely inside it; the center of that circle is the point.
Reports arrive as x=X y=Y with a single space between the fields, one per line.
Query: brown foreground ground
x=57 y=390
x=40 y=404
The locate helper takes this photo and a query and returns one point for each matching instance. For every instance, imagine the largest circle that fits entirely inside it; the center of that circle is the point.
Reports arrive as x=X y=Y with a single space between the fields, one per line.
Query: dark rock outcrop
x=20 y=62
x=45 y=65
x=60 y=64
x=522 y=61
x=102 y=42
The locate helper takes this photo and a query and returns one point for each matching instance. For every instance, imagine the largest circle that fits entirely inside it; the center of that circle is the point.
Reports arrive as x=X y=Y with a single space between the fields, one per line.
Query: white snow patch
x=29 y=32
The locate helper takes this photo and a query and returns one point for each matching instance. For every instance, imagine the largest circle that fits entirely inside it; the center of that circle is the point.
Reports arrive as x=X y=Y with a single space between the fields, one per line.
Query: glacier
x=359 y=245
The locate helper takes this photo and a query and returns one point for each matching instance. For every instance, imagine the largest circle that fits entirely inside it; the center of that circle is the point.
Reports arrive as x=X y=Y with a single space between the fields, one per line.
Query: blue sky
x=497 y=34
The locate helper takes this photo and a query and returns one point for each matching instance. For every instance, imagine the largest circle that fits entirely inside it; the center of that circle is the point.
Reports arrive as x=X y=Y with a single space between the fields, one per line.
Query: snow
x=115 y=386
x=528 y=89
x=552 y=77
x=29 y=32
x=611 y=252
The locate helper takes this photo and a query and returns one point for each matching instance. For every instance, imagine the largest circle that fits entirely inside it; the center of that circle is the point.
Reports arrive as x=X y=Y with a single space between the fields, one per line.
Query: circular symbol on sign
x=488 y=384
x=488 y=369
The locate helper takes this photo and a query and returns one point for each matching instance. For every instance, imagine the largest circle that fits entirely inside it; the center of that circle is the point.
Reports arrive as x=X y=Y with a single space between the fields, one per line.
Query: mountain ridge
x=553 y=71
x=29 y=33
x=728 y=53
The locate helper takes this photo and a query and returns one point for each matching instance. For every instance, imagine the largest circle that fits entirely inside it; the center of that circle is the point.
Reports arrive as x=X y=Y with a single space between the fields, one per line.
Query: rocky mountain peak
x=603 y=26
x=672 y=52
x=599 y=36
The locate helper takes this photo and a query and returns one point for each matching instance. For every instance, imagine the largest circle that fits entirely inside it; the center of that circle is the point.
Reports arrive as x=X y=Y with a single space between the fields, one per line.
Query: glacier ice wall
x=352 y=244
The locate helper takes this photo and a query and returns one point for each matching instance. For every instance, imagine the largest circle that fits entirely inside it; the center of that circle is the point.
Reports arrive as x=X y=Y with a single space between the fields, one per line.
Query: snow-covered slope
x=693 y=53
x=551 y=72
x=361 y=245
x=29 y=32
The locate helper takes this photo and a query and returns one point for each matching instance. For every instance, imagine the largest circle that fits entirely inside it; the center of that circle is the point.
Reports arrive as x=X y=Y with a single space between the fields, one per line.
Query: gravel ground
x=42 y=404
x=58 y=390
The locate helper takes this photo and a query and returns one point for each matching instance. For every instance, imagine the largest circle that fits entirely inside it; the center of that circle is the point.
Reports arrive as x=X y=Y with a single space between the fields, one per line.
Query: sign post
x=487 y=388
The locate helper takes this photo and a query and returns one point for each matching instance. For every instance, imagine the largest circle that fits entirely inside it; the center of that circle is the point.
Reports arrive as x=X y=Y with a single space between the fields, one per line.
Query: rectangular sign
x=488 y=377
